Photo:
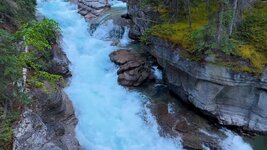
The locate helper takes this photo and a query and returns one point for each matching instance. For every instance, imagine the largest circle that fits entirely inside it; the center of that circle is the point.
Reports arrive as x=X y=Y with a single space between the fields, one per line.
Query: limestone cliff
x=234 y=98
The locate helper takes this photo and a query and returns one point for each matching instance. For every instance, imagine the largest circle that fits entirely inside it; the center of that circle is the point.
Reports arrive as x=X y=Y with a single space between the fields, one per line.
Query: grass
x=257 y=59
x=180 y=33
x=253 y=35
x=250 y=37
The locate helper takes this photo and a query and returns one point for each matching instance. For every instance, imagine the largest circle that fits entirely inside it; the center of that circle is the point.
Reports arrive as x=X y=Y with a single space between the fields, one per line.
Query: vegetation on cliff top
x=233 y=31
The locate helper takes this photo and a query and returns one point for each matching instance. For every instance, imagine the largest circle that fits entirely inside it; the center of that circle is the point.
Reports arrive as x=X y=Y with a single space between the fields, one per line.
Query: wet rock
x=51 y=119
x=49 y=122
x=176 y=124
x=115 y=42
x=108 y=30
x=234 y=98
x=92 y=8
x=126 y=16
x=142 y=18
x=60 y=62
x=134 y=70
x=121 y=57
x=31 y=132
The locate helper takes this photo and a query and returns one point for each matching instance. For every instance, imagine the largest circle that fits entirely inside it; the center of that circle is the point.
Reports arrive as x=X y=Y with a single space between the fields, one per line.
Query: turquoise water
x=110 y=117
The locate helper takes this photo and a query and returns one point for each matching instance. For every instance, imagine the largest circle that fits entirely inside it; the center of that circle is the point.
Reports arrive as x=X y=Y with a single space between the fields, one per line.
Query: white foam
x=233 y=142
x=110 y=117
x=104 y=30
x=157 y=73
x=125 y=38
x=117 y=3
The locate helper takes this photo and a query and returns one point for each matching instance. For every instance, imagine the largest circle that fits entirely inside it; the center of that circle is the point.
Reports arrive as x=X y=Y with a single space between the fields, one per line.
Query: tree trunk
x=220 y=23
x=189 y=14
x=177 y=8
x=24 y=70
x=5 y=109
x=207 y=5
x=234 y=17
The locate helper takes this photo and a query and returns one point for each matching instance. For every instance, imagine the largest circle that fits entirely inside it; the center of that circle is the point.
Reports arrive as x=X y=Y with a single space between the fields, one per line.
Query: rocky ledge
x=234 y=98
x=91 y=9
x=134 y=70
x=49 y=122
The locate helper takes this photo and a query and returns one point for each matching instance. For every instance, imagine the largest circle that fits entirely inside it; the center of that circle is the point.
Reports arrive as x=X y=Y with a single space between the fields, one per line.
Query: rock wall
x=49 y=122
x=142 y=18
x=91 y=9
x=238 y=99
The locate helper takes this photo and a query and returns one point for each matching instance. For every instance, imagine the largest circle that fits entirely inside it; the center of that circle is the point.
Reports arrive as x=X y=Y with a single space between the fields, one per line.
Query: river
x=110 y=116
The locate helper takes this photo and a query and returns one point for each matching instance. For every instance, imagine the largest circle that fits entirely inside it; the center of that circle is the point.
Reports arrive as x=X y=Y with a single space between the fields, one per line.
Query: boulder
x=133 y=69
x=92 y=8
x=49 y=124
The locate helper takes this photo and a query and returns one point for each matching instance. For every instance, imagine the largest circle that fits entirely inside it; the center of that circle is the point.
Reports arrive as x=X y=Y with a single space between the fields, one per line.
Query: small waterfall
x=233 y=142
x=117 y=3
x=110 y=117
x=125 y=39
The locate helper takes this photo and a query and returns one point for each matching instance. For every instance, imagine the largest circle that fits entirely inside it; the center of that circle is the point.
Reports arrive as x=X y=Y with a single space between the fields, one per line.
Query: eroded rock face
x=49 y=123
x=142 y=18
x=134 y=70
x=233 y=98
x=60 y=62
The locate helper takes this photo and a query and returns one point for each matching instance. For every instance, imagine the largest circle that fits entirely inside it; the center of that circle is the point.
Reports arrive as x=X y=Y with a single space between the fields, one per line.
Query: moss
x=179 y=32
x=258 y=59
x=253 y=29
x=249 y=42
x=17 y=12
x=252 y=34
x=6 y=133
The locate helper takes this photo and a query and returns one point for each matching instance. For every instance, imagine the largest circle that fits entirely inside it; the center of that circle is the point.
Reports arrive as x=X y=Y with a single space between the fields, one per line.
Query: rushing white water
x=157 y=73
x=234 y=142
x=125 y=38
x=110 y=117
x=117 y=3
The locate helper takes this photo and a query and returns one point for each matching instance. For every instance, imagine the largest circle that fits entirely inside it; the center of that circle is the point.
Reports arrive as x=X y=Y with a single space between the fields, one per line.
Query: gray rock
x=92 y=8
x=142 y=18
x=31 y=133
x=234 y=98
x=49 y=122
x=49 y=125
x=60 y=62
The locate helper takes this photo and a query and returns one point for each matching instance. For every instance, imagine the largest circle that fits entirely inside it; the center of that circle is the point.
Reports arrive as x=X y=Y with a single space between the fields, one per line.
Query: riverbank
x=49 y=121
x=114 y=117
x=232 y=97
